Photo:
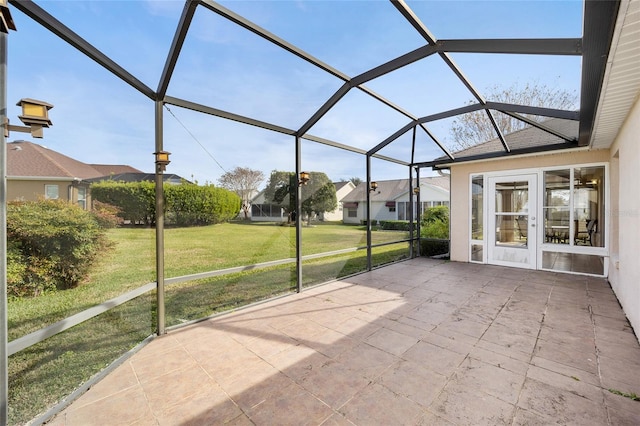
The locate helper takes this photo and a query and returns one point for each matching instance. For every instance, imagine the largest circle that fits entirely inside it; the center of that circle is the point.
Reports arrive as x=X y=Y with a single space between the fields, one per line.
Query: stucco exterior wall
x=33 y=190
x=624 y=268
x=460 y=186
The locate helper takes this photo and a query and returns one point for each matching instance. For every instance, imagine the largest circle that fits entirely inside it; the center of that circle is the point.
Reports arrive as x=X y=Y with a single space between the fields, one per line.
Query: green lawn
x=131 y=262
x=42 y=374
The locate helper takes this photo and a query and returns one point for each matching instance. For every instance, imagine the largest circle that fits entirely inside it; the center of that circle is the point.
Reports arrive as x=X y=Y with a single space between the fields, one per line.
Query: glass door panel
x=512 y=235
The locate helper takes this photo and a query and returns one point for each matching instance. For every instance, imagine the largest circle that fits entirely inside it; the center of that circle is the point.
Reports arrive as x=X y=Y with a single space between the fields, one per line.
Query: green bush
x=395 y=225
x=435 y=223
x=134 y=200
x=186 y=204
x=106 y=215
x=433 y=247
x=434 y=231
x=16 y=269
x=52 y=245
x=189 y=204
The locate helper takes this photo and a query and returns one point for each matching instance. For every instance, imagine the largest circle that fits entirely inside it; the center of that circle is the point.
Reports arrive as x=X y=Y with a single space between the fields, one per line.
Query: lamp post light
x=35 y=117
x=162 y=160
x=6 y=21
x=374 y=186
x=304 y=178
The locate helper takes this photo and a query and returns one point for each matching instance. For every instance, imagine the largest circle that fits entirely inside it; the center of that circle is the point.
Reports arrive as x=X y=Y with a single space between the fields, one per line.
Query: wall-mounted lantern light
x=304 y=178
x=374 y=186
x=35 y=116
x=162 y=160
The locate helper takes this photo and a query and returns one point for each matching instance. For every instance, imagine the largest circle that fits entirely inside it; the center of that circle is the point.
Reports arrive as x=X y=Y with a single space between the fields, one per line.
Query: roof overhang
x=621 y=82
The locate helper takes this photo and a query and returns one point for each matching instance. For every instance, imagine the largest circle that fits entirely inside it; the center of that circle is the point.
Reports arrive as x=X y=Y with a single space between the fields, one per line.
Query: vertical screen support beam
x=368 y=215
x=298 y=192
x=418 y=211
x=411 y=207
x=160 y=311
x=4 y=368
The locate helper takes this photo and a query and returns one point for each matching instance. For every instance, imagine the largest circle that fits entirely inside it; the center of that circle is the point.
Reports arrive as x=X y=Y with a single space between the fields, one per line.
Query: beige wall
x=460 y=187
x=33 y=190
x=624 y=268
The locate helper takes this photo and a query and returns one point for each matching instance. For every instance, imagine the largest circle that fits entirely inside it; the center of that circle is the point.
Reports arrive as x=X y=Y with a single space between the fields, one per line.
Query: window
x=477 y=218
x=82 y=197
x=51 y=192
x=352 y=212
x=265 y=210
x=574 y=206
x=403 y=210
x=392 y=209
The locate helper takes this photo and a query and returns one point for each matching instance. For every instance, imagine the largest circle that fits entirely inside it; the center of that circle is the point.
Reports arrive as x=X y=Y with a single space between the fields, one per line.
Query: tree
x=318 y=195
x=244 y=182
x=474 y=128
x=354 y=180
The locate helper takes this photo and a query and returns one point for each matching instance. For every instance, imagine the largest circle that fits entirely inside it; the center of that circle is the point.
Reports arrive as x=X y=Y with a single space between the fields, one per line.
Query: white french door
x=512 y=220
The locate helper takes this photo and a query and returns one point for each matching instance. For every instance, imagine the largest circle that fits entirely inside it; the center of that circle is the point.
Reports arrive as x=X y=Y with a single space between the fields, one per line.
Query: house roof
x=524 y=140
x=621 y=82
x=389 y=190
x=339 y=185
x=28 y=159
x=114 y=169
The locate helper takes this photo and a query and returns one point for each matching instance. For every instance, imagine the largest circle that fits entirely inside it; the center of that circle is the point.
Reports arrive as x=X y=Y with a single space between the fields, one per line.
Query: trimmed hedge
x=433 y=247
x=186 y=204
x=192 y=205
x=135 y=201
x=395 y=225
x=51 y=245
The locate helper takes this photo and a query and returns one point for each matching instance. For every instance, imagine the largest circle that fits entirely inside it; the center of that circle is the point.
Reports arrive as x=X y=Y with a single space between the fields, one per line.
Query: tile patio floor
x=420 y=342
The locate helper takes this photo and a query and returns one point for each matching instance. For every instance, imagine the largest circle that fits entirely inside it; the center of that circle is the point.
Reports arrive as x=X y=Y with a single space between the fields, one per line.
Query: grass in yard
x=131 y=263
x=47 y=372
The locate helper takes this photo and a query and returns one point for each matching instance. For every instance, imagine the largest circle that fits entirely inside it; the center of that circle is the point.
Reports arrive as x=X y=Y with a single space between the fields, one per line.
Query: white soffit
x=621 y=85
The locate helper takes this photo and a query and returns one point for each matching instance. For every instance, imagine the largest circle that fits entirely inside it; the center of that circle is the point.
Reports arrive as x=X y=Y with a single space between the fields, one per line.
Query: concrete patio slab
x=421 y=342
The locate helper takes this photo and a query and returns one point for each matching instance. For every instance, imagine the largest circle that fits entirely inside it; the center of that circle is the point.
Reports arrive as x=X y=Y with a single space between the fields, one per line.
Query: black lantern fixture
x=374 y=186
x=304 y=178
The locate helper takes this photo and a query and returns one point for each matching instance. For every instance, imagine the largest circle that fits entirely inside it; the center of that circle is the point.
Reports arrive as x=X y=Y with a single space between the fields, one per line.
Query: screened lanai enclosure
x=346 y=89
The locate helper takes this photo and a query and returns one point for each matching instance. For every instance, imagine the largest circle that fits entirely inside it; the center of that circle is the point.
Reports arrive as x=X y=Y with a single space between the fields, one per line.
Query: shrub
x=186 y=204
x=106 y=215
x=135 y=200
x=53 y=244
x=395 y=225
x=435 y=223
x=189 y=204
x=434 y=231
x=433 y=247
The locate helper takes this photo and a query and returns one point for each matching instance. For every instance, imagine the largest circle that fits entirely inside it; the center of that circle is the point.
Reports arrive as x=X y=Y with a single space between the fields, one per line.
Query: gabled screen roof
x=380 y=78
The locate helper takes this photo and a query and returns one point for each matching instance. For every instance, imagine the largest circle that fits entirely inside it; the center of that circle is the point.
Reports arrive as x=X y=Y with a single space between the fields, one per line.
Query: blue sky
x=99 y=119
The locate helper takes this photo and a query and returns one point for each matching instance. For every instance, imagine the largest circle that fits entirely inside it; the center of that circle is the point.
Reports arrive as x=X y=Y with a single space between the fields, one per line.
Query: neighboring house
x=390 y=200
x=342 y=190
x=263 y=211
x=35 y=172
